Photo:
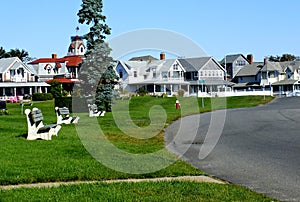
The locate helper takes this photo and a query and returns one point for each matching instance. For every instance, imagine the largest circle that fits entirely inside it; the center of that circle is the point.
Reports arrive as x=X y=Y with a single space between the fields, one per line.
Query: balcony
x=18 y=79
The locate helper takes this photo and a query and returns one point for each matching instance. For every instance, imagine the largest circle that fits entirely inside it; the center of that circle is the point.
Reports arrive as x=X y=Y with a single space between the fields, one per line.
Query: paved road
x=259 y=147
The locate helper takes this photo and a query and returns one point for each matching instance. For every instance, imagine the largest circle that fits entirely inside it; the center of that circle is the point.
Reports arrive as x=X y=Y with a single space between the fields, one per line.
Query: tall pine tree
x=97 y=74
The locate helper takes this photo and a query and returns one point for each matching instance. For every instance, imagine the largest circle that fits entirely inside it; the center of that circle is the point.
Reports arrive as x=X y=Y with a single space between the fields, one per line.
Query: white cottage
x=156 y=76
x=17 y=79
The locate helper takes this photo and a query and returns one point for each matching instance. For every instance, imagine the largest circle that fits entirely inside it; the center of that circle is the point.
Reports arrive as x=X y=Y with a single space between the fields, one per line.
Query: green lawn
x=143 y=191
x=64 y=158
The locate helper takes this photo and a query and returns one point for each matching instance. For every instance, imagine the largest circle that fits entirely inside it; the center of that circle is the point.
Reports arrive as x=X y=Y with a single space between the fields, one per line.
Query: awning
x=60 y=80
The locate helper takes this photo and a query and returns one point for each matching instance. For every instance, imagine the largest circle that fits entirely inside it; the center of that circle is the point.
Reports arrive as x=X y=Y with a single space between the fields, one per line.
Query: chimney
x=250 y=58
x=265 y=61
x=162 y=56
x=54 y=56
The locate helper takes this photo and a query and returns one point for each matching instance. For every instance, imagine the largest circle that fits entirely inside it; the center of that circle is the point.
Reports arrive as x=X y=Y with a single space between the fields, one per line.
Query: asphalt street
x=259 y=148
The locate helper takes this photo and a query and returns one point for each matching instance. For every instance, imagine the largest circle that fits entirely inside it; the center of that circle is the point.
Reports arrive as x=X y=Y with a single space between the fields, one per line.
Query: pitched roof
x=231 y=58
x=14 y=63
x=194 y=64
x=71 y=61
x=293 y=65
x=165 y=66
x=250 y=70
x=5 y=63
x=143 y=58
x=272 y=66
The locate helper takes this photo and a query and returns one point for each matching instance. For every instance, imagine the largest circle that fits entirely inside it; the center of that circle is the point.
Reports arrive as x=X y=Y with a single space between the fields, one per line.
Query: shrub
x=63 y=102
x=142 y=91
x=42 y=96
x=181 y=92
x=56 y=89
x=79 y=104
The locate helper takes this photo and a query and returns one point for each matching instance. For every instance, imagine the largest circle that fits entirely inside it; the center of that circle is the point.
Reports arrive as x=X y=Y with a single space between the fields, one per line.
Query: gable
x=212 y=65
x=7 y=64
x=171 y=65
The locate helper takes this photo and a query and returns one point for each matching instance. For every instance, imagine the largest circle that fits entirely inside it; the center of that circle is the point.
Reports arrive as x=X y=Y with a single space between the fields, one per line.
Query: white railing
x=235 y=93
x=18 y=79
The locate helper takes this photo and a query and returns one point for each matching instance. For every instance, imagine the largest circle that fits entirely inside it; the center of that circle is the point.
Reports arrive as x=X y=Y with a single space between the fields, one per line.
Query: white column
x=3 y=91
x=154 y=90
x=15 y=92
x=30 y=90
x=46 y=90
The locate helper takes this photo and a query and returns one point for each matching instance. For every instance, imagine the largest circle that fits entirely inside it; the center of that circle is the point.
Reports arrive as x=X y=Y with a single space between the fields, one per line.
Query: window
x=135 y=74
x=154 y=75
x=145 y=77
x=165 y=75
x=12 y=73
x=240 y=63
x=175 y=74
x=121 y=74
x=175 y=67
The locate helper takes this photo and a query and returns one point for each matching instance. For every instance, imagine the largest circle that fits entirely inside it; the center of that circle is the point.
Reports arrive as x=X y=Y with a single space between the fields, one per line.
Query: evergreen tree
x=97 y=76
x=91 y=13
x=105 y=92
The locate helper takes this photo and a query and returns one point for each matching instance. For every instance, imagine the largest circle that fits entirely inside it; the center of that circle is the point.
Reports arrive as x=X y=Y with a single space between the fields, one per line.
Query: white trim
x=29 y=84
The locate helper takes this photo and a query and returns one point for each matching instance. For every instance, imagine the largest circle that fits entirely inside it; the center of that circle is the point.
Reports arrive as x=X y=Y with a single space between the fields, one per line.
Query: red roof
x=47 y=60
x=71 y=61
x=60 y=80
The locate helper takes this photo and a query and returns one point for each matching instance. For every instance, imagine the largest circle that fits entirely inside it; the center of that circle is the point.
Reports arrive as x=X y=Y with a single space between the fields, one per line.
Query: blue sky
x=261 y=28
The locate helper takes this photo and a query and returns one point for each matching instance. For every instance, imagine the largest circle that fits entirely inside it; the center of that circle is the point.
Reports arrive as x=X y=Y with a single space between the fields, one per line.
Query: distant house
x=233 y=64
x=17 y=78
x=204 y=74
x=49 y=68
x=156 y=76
x=66 y=67
x=282 y=77
x=170 y=75
x=249 y=77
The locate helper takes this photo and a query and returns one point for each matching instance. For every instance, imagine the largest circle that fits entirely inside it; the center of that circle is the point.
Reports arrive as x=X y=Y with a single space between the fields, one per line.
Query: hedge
x=78 y=104
x=42 y=96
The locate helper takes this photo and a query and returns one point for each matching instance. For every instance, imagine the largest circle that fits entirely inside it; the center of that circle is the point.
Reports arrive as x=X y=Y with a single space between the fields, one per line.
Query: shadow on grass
x=22 y=136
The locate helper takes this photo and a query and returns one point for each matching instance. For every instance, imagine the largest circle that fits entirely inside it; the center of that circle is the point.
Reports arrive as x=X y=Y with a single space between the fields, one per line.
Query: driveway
x=259 y=147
